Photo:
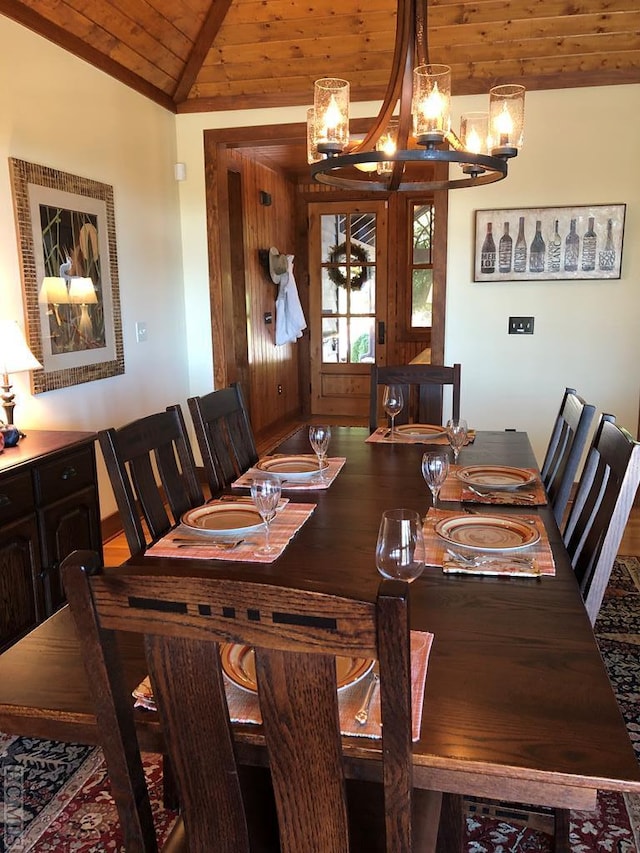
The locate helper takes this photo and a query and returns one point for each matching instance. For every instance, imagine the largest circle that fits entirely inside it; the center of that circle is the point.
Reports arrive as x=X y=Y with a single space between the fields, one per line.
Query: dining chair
x=153 y=474
x=564 y=451
x=185 y=621
x=600 y=510
x=422 y=387
x=224 y=435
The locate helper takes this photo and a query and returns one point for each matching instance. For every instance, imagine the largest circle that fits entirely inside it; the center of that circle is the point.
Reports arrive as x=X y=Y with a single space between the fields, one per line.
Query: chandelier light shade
x=415 y=114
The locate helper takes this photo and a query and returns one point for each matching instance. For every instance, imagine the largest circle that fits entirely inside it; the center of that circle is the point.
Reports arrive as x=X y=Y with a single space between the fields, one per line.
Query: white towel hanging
x=290 y=319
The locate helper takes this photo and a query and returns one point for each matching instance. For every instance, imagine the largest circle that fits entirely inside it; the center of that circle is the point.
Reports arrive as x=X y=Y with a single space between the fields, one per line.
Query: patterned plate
x=495 y=477
x=487 y=532
x=238 y=663
x=221 y=518
x=291 y=467
x=421 y=431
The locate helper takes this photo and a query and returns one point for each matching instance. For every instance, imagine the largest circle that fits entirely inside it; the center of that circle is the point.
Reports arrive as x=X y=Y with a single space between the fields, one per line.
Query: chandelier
x=391 y=154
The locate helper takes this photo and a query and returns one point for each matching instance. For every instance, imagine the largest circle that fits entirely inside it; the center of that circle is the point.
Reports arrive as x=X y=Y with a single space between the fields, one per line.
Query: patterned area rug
x=57 y=800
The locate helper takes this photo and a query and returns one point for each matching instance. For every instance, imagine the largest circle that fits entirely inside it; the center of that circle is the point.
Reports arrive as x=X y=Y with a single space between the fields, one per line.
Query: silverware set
x=201 y=542
x=516 y=496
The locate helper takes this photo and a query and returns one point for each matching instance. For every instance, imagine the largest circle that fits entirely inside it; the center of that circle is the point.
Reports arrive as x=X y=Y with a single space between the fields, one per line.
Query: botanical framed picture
x=68 y=259
x=541 y=243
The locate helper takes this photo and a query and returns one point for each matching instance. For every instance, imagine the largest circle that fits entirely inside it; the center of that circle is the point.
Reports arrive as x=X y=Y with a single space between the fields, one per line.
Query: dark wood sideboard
x=48 y=508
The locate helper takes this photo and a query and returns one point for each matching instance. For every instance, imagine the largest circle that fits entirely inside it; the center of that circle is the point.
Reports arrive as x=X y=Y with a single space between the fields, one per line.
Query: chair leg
x=451 y=833
x=169 y=788
x=561 y=832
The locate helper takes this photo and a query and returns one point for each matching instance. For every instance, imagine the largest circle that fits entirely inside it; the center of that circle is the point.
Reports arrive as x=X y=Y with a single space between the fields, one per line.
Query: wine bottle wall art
x=549 y=243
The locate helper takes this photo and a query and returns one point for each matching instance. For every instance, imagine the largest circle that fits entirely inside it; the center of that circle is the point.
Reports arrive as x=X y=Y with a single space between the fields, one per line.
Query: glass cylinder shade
x=431 y=99
x=474 y=132
x=312 y=149
x=388 y=144
x=331 y=115
x=506 y=119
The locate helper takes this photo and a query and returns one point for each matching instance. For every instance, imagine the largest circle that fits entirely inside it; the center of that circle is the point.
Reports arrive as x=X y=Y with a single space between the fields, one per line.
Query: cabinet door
x=70 y=524
x=21 y=604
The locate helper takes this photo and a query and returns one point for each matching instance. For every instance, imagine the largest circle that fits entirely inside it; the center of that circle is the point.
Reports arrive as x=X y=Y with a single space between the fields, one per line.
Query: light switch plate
x=141 y=332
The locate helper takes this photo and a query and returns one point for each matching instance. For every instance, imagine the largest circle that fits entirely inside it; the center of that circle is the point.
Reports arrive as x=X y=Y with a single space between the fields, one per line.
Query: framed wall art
x=542 y=243
x=68 y=259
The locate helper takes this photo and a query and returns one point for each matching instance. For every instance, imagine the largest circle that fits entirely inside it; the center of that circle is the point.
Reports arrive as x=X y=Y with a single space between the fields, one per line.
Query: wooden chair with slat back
x=296 y=635
x=151 y=467
x=422 y=387
x=224 y=435
x=564 y=452
x=601 y=508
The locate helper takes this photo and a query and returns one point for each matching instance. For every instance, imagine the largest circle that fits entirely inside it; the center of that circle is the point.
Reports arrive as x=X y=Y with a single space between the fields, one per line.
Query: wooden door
x=347 y=304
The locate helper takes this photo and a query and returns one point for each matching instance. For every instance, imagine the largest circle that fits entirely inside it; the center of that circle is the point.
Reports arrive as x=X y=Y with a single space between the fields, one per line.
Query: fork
x=489 y=493
x=475 y=559
x=362 y=714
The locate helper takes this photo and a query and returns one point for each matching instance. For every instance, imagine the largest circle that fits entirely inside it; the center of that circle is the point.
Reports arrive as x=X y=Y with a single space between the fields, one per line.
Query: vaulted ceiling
x=207 y=55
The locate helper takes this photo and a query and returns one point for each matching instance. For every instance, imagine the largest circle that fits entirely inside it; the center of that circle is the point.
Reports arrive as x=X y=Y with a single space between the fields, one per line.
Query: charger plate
x=291 y=467
x=487 y=532
x=221 y=518
x=238 y=662
x=421 y=430
x=495 y=477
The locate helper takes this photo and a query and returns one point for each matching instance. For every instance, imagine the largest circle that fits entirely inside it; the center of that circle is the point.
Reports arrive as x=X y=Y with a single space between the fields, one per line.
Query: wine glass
x=400 y=546
x=392 y=401
x=265 y=493
x=457 y=431
x=435 y=467
x=320 y=436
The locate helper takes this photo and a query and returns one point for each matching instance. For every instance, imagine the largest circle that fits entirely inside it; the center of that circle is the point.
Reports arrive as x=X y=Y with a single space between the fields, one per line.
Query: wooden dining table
x=517 y=705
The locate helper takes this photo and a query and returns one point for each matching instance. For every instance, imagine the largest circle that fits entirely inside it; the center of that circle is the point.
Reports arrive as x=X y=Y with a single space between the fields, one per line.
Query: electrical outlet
x=141 y=332
x=279 y=389
x=520 y=325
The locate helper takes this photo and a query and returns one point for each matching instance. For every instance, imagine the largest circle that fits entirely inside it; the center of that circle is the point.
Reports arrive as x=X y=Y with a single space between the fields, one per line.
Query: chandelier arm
x=404 y=122
x=402 y=49
x=421 y=32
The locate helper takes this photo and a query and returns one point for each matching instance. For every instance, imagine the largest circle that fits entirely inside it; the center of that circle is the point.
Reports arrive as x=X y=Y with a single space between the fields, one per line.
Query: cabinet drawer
x=16 y=496
x=64 y=476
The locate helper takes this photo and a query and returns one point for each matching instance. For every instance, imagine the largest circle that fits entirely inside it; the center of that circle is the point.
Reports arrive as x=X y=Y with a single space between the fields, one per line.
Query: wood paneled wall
x=274 y=391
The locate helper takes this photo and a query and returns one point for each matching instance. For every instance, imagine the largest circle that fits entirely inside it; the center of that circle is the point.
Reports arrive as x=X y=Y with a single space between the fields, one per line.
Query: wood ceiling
x=207 y=55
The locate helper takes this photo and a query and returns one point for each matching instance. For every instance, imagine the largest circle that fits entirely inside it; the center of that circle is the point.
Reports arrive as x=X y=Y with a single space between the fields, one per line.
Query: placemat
x=453 y=489
x=503 y=562
x=383 y=436
x=245 y=708
x=334 y=466
x=284 y=526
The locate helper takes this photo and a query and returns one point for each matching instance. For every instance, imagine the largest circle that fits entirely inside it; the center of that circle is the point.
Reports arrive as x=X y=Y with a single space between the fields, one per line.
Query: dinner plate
x=487 y=532
x=495 y=477
x=421 y=430
x=238 y=662
x=291 y=467
x=221 y=518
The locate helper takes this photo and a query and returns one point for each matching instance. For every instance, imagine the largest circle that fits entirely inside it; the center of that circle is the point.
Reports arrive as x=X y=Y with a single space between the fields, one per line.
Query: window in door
x=348 y=272
x=421 y=260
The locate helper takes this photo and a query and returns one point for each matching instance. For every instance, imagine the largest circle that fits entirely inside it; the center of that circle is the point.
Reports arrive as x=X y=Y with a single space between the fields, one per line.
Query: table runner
x=436 y=548
x=334 y=466
x=244 y=706
x=454 y=489
x=382 y=436
x=289 y=519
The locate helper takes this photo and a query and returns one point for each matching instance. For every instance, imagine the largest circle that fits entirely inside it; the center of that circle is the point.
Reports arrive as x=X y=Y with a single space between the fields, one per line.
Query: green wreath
x=358 y=273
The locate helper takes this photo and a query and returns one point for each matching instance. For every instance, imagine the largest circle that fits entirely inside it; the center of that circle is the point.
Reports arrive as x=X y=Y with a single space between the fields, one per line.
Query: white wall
x=586 y=332
x=61 y=112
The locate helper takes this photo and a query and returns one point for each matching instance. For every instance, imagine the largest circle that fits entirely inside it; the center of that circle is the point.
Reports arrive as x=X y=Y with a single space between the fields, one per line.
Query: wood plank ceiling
x=207 y=55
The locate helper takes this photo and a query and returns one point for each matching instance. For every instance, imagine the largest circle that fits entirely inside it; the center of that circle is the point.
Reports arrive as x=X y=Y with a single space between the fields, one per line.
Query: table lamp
x=15 y=356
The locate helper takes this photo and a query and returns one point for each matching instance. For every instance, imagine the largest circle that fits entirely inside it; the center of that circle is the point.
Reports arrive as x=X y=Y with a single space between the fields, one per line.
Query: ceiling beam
x=202 y=46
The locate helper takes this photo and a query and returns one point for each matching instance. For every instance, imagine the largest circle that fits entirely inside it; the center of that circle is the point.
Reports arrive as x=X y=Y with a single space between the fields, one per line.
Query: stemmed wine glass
x=435 y=467
x=400 y=546
x=392 y=401
x=265 y=493
x=457 y=432
x=320 y=436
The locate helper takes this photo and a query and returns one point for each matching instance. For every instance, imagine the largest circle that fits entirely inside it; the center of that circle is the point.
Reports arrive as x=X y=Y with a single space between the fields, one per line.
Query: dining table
x=517 y=704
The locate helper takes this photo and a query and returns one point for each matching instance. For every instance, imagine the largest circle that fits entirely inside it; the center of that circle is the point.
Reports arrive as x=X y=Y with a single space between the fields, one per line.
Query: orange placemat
x=245 y=708
x=382 y=436
x=284 y=527
x=453 y=489
x=334 y=466
x=540 y=552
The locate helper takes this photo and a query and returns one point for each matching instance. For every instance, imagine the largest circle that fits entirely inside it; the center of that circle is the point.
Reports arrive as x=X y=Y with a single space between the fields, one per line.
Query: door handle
x=381 y=331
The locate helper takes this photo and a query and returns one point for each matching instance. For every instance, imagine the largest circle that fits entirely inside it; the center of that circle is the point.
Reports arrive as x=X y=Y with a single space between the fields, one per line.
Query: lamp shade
x=15 y=354
x=82 y=291
x=54 y=291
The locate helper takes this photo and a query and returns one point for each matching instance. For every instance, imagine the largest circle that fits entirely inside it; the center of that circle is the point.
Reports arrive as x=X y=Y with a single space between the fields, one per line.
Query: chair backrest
x=296 y=635
x=151 y=467
x=422 y=386
x=224 y=435
x=601 y=508
x=564 y=452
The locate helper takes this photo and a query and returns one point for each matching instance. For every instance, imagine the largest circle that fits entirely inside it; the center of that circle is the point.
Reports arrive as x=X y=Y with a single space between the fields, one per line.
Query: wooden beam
x=208 y=32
